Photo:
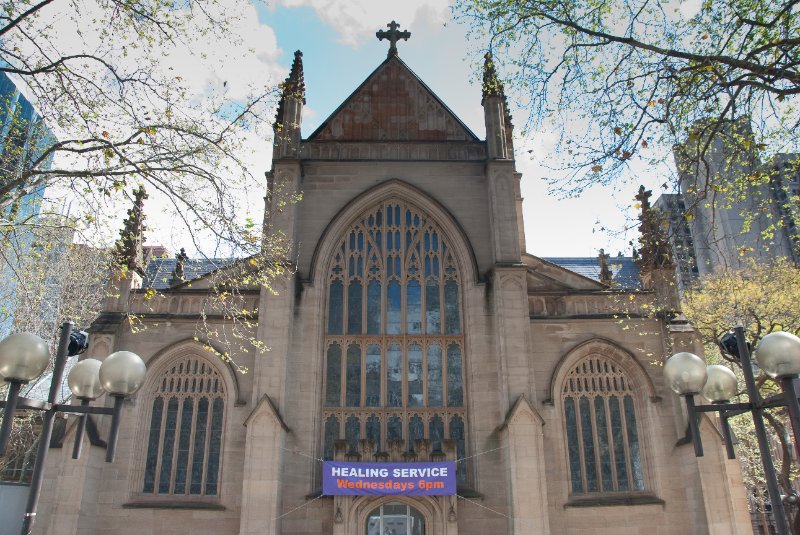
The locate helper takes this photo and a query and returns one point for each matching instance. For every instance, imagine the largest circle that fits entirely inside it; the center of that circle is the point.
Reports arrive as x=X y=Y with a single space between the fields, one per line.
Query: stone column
x=276 y=305
x=523 y=437
x=503 y=184
x=266 y=436
x=512 y=333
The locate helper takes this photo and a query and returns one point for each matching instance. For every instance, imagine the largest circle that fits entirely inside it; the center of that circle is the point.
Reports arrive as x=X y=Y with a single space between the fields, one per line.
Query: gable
x=393 y=104
x=544 y=275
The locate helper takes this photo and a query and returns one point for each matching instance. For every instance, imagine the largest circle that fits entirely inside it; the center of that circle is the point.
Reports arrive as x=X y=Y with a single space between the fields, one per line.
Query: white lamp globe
x=84 y=379
x=122 y=373
x=778 y=354
x=23 y=357
x=721 y=384
x=685 y=373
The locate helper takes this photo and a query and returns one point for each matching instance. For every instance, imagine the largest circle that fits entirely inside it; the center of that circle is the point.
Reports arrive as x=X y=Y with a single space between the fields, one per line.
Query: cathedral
x=414 y=328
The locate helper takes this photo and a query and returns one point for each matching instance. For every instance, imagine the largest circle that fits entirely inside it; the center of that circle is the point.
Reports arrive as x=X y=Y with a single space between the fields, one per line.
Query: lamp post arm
x=8 y=414
x=726 y=434
x=694 y=429
x=113 y=434
x=81 y=427
x=728 y=407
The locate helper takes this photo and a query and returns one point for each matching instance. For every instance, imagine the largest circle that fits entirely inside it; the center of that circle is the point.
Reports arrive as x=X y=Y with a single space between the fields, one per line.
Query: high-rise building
x=24 y=138
x=732 y=206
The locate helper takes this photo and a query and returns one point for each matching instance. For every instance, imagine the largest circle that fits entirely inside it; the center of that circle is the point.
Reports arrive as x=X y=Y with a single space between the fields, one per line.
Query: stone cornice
x=474 y=151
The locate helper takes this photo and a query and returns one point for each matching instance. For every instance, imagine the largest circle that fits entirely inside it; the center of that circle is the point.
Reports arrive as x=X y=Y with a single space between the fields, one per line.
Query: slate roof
x=624 y=270
x=159 y=271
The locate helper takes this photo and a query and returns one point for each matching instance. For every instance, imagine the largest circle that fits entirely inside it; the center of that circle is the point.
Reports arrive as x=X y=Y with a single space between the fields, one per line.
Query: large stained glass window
x=184 y=435
x=602 y=435
x=394 y=342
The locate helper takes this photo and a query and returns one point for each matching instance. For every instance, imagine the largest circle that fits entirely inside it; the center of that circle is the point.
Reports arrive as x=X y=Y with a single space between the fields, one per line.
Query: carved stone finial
x=129 y=252
x=606 y=276
x=655 y=251
x=492 y=86
x=179 y=273
x=393 y=35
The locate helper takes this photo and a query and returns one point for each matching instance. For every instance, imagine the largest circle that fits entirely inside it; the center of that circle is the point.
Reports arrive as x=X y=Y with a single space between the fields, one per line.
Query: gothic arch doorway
x=394 y=518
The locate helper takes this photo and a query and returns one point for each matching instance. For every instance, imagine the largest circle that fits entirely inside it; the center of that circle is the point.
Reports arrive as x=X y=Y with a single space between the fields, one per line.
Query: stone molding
x=463 y=151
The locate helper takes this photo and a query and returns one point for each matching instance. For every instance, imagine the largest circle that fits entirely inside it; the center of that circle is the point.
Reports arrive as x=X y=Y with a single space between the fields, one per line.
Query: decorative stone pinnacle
x=295 y=85
x=492 y=86
x=293 y=88
x=129 y=250
x=655 y=251
x=644 y=198
x=393 y=35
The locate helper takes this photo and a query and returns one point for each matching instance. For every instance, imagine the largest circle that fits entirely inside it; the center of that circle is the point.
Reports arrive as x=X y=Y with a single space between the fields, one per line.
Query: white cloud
x=358 y=20
x=233 y=65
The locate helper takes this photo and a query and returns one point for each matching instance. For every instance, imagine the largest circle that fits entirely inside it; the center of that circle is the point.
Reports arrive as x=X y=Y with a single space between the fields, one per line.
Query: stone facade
x=524 y=327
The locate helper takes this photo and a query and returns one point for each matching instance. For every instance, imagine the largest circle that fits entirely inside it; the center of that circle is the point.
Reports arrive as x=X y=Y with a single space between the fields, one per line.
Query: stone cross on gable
x=393 y=35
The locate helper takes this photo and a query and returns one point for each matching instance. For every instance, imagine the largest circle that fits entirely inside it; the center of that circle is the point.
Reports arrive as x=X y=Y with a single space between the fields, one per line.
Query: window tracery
x=603 y=449
x=185 y=430
x=394 y=340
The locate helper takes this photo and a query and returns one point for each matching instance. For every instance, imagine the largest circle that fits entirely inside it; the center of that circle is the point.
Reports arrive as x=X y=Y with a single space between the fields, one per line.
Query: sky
x=340 y=50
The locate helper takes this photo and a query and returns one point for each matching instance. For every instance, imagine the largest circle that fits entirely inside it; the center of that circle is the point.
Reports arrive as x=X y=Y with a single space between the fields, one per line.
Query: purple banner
x=384 y=479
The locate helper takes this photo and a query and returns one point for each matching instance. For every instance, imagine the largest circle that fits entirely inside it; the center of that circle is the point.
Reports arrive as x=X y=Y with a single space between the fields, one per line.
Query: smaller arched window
x=601 y=426
x=185 y=430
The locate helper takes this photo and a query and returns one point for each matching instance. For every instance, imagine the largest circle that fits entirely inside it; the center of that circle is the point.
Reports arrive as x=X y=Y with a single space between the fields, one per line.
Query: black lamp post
x=779 y=356
x=24 y=356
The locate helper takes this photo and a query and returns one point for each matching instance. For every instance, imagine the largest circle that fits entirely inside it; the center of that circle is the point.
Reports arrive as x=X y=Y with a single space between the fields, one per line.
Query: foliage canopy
x=643 y=74
x=106 y=78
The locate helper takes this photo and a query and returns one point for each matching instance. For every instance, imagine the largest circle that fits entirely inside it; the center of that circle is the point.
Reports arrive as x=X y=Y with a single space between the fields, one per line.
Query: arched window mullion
x=166 y=479
x=626 y=445
x=154 y=470
x=611 y=450
x=182 y=460
x=581 y=444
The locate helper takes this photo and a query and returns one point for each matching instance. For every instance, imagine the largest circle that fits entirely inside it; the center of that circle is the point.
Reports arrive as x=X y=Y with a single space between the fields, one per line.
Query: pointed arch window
x=600 y=417
x=185 y=430
x=394 y=338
